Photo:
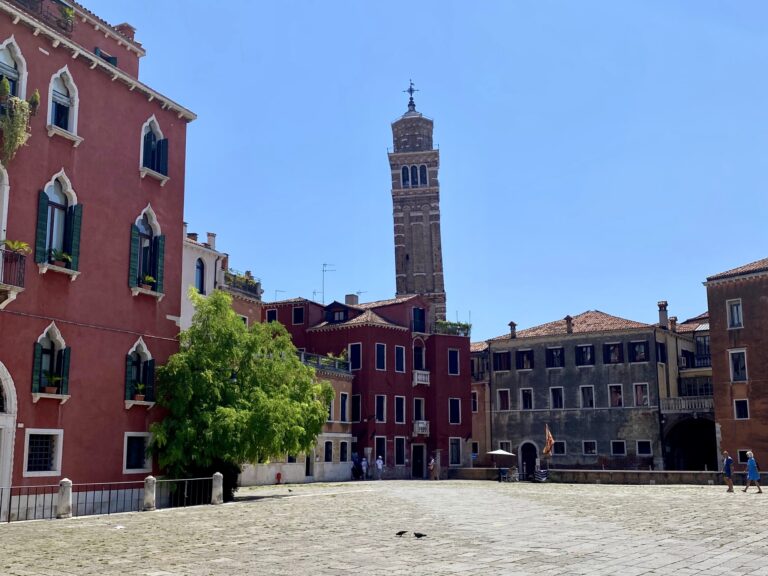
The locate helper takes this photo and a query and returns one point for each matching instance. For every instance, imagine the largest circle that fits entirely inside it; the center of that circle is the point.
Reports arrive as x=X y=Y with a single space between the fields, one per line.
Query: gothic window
x=147 y=262
x=154 y=148
x=414 y=176
x=59 y=220
x=61 y=104
x=139 y=374
x=56 y=220
x=422 y=175
x=405 y=177
x=2 y=402
x=50 y=365
x=200 y=276
x=9 y=69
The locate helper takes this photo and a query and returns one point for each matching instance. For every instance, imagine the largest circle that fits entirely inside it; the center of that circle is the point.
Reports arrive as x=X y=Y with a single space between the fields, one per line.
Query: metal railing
x=452 y=328
x=421 y=377
x=244 y=283
x=28 y=502
x=52 y=13
x=688 y=404
x=12 y=268
x=181 y=493
x=321 y=362
x=421 y=427
x=703 y=361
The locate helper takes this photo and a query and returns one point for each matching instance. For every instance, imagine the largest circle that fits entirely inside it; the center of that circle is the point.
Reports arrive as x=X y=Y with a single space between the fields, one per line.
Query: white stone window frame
x=153 y=125
x=13 y=47
x=69 y=192
x=74 y=107
x=405 y=415
x=581 y=397
x=293 y=315
x=584 y=447
x=156 y=231
x=498 y=400
x=327 y=460
x=147 y=459
x=728 y=310
x=546 y=357
x=54 y=334
x=383 y=419
x=623 y=444
x=591 y=352
x=735 y=412
x=343 y=407
x=402 y=351
x=650 y=448
x=741 y=455
x=458 y=362
x=647 y=394
x=140 y=347
x=621 y=388
x=525 y=351
x=551 y=397
x=423 y=402
x=505 y=445
x=266 y=314
x=7 y=425
x=450 y=400
x=343 y=452
x=647 y=352
x=360 y=356
x=404 y=441
x=533 y=399
x=58 y=451
x=383 y=356
x=730 y=364
x=460 y=442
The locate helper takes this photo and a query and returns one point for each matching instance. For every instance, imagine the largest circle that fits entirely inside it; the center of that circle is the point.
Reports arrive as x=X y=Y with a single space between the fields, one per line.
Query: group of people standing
x=360 y=468
x=753 y=472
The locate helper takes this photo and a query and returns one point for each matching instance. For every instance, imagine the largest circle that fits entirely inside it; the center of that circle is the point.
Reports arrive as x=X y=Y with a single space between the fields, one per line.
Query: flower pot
x=51 y=389
x=146 y=286
x=138 y=397
x=59 y=263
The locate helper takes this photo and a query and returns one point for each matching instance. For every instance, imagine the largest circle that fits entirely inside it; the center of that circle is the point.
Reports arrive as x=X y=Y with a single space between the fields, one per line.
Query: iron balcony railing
x=320 y=362
x=420 y=377
x=58 y=14
x=12 y=268
x=452 y=328
x=244 y=283
x=703 y=361
x=686 y=404
x=421 y=427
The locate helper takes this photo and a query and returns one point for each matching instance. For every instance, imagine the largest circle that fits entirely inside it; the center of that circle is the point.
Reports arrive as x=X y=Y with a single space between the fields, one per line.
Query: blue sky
x=594 y=155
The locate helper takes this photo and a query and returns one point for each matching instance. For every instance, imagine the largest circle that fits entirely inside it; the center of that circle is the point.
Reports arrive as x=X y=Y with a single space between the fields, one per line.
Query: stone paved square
x=472 y=527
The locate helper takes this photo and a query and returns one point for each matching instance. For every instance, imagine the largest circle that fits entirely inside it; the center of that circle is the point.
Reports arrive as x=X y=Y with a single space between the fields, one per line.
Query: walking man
x=728 y=470
x=379 y=467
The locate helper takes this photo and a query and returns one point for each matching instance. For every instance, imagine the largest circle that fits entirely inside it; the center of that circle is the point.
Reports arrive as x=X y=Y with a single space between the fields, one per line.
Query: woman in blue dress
x=753 y=474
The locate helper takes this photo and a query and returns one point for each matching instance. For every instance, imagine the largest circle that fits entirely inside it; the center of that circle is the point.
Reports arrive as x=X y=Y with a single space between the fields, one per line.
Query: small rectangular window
x=343 y=407
x=558 y=448
x=526 y=399
x=741 y=409
x=613 y=353
x=587 y=396
x=381 y=408
x=454 y=410
x=328 y=451
x=399 y=451
x=644 y=448
x=356 y=408
x=399 y=409
x=453 y=362
x=616 y=395
x=738 y=365
x=400 y=359
x=136 y=458
x=505 y=445
x=344 y=452
x=454 y=449
x=524 y=359
x=585 y=355
x=555 y=358
x=661 y=352
x=355 y=356
x=501 y=361
x=638 y=351
x=41 y=452
x=474 y=401
x=743 y=458
x=503 y=403
x=618 y=448
x=735 y=319
x=589 y=447
x=272 y=315
x=298 y=315
x=641 y=395
x=419 y=320
x=556 y=398
x=381 y=356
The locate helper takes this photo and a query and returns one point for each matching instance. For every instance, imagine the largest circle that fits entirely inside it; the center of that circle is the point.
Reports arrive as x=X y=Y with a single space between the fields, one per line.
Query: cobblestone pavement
x=472 y=528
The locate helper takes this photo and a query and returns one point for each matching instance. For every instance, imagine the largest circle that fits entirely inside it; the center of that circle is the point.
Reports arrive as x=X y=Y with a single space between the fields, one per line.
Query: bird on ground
x=419 y=535
x=289 y=490
x=401 y=533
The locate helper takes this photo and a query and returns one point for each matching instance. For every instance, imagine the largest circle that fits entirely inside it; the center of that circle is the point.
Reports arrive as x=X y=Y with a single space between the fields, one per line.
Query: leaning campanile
x=416 y=208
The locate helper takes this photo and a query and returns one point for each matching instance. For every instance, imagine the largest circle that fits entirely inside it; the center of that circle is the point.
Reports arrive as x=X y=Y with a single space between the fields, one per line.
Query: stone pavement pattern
x=472 y=528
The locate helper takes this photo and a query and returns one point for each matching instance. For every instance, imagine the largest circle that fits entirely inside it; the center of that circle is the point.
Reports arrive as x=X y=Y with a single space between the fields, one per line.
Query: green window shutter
x=65 y=370
x=37 y=367
x=41 y=254
x=159 y=263
x=128 y=380
x=133 y=268
x=75 y=222
x=149 y=380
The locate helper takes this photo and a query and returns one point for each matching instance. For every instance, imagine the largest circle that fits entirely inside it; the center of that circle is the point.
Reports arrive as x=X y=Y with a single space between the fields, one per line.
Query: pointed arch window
x=60 y=104
x=200 y=276
x=50 y=367
x=62 y=114
x=139 y=374
x=422 y=175
x=414 y=176
x=59 y=221
x=9 y=69
x=147 y=254
x=405 y=177
x=154 y=153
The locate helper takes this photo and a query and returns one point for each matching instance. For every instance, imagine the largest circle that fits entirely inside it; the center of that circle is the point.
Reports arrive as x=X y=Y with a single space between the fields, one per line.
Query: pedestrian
x=432 y=474
x=379 y=467
x=753 y=474
x=364 y=466
x=728 y=470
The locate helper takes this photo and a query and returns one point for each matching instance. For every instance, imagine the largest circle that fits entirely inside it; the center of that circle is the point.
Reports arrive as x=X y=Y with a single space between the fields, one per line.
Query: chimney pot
x=512 y=330
x=126 y=30
x=211 y=240
x=663 y=315
x=192 y=236
x=351 y=299
x=673 y=323
x=568 y=325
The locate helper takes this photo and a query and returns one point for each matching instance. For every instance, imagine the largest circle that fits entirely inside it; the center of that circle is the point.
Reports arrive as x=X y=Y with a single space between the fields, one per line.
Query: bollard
x=64 y=503
x=150 y=485
x=217 y=489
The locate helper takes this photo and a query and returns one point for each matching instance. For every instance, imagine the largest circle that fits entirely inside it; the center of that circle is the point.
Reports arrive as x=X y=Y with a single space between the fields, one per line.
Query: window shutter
x=149 y=380
x=41 y=255
x=161 y=165
x=64 y=355
x=148 y=158
x=75 y=223
x=112 y=60
x=128 y=380
x=159 y=262
x=133 y=268
x=37 y=367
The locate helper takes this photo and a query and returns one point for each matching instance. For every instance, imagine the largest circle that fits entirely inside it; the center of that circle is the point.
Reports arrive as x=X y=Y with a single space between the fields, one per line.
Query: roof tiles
x=751 y=268
x=586 y=322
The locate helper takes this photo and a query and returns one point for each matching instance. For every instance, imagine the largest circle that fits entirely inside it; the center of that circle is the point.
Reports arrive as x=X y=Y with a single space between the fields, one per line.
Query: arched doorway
x=7 y=425
x=527 y=460
x=691 y=444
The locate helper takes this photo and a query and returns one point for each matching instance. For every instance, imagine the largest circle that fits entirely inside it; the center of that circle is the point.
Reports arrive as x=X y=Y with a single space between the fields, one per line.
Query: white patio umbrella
x=500 y=452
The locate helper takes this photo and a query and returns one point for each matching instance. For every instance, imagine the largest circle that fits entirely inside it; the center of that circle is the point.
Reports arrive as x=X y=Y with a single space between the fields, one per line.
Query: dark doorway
x=691 y=445
x=308 y=466
x=528 y=455
x=417 y=461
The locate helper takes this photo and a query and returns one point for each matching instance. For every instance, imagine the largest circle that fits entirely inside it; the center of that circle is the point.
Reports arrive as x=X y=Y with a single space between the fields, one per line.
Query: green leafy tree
x=234 y=395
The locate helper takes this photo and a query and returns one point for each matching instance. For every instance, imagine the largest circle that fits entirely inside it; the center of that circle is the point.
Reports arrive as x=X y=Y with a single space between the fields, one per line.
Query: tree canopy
x=235 y=394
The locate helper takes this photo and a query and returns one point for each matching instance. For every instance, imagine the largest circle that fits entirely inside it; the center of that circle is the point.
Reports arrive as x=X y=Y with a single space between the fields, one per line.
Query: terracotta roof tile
x=586 y=322
x=478 y=346
x=380 y=303
x=700 y=322
x=290 y=301
x=367 y=318
x=751 y=268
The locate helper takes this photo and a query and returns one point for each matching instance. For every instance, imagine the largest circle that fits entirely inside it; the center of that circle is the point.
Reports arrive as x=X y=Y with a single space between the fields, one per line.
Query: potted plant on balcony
x=15 y=246
x=60 y=258
x=147 y=282
x=138 y=391
x=51 y=383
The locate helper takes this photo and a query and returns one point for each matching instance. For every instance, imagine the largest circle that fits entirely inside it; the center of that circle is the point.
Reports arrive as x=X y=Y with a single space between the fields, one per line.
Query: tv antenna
x=326 y=268
x=276 y=291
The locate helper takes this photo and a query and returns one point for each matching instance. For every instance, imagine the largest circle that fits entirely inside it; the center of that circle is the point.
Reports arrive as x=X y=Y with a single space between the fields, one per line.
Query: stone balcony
x=421 y=377
x=687 y=404
x=421 y=427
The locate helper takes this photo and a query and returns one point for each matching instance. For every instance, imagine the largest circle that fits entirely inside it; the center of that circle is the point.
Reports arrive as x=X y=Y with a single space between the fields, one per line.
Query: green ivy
x=14 y=124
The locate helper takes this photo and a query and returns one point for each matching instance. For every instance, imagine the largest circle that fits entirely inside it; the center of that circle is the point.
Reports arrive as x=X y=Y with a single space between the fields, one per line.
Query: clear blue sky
x=594 y=155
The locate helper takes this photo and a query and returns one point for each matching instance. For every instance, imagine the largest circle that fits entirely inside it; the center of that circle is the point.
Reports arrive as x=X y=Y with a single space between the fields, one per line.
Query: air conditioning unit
x=683 y=362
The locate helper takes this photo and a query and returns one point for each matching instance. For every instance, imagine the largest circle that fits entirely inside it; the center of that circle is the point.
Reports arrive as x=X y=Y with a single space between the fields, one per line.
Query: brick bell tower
x=416 y=208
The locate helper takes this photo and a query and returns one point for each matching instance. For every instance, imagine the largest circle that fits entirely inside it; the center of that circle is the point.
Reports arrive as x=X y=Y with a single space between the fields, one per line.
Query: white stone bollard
x=217 y=490
x=64 y=503
x=150 y=485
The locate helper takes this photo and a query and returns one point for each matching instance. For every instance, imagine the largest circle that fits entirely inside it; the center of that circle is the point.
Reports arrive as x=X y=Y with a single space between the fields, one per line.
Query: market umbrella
x=500 y=452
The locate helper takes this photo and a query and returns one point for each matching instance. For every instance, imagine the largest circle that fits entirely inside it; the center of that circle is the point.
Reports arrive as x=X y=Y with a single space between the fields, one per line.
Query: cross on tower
x=410 y=91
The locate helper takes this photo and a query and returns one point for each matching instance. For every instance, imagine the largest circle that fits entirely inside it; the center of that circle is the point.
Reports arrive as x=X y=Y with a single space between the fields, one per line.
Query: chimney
x=663 y=319
x=351 y=299
x=673 y=323
x=211 y=240
x=512 y=330
x=126 y=30
x=568 y=325
x=185 y=229
x=192 y=236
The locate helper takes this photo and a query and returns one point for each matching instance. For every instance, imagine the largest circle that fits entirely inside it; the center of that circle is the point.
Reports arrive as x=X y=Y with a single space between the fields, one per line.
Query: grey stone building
x=596 y=380
x=416 y=209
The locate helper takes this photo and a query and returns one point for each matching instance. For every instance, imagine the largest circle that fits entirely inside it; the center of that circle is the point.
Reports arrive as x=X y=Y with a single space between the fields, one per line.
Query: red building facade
x=98 y=195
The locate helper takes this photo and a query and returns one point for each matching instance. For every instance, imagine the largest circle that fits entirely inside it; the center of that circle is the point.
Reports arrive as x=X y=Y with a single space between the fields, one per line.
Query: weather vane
x=410 y=91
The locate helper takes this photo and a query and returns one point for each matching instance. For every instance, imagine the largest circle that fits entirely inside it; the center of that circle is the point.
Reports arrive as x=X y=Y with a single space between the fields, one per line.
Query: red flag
x=549 y=441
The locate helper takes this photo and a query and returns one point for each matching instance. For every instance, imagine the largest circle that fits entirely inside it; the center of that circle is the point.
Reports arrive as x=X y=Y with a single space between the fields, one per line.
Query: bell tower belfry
x=416 y=208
